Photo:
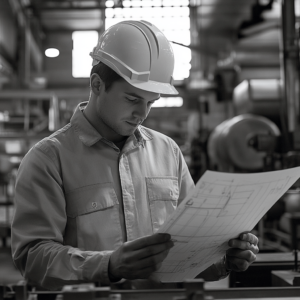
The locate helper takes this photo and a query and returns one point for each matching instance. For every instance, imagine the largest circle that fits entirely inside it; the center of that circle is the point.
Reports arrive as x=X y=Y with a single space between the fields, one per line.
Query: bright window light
x=51 y=52
x=134 y=3
x=145 y=3
x=109 y=3
x=175 y=2
x=171 y=17
x=168 y=102
x=83 y=44
x=12 y=147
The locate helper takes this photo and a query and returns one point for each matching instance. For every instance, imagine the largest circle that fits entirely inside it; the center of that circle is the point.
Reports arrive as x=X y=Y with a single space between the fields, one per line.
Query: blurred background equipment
x=230 y=148
x=259 y=97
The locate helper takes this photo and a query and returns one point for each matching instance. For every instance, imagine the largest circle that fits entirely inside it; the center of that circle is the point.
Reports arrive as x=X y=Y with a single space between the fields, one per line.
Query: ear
x=96 y=83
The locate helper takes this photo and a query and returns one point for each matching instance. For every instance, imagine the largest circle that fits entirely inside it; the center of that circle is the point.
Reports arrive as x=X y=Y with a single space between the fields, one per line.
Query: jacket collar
x=89 y=135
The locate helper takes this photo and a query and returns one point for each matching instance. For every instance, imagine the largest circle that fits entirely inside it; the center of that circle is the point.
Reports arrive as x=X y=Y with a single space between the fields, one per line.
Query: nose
x=141 y=110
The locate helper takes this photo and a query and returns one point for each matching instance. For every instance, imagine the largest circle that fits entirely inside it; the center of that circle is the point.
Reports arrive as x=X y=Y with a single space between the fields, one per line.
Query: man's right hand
x=139 y=258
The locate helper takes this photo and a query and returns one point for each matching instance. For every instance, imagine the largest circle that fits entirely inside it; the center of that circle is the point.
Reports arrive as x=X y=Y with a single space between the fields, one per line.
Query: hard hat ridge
x=147 y=24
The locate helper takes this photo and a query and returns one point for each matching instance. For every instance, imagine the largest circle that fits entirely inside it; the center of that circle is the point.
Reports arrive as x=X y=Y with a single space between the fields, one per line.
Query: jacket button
x=94 y=204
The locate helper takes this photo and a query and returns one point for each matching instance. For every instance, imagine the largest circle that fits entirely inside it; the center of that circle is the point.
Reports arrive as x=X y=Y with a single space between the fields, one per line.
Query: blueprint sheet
x=221 y=206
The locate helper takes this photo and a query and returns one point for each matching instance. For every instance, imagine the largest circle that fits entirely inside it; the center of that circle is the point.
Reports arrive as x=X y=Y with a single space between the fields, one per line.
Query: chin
x=130 y=132
x=125 y=132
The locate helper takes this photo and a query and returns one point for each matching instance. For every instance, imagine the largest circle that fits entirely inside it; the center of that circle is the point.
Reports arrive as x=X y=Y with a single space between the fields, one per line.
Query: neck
x=120 y=144
x=104 y=130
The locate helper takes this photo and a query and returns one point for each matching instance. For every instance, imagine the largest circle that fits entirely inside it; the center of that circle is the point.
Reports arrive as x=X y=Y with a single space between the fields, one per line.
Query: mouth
x=133 y=124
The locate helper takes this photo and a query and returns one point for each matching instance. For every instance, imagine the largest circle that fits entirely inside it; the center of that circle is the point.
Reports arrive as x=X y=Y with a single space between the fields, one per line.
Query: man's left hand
x=242 y=252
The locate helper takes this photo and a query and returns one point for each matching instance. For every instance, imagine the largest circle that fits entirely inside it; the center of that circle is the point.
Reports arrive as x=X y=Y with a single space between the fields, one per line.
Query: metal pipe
x=290 y=63
x=29 y=44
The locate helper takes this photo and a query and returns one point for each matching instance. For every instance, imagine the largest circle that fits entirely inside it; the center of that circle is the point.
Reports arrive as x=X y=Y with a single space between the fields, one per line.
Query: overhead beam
x=73 y=93
x=72 y=8
x=259 y=28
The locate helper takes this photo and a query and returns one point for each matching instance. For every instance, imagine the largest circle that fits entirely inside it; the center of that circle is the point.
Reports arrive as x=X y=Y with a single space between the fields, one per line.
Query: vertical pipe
x=26 y=114
x=27 y=55
x=290 y=63
x=294 y=224
x=54 y=123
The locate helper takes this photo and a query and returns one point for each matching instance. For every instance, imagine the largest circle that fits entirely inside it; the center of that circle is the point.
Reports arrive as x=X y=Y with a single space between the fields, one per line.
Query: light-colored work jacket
x=78 y=198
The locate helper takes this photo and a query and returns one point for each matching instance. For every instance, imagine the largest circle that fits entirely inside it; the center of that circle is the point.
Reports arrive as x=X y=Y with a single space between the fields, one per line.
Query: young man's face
x=122 y=108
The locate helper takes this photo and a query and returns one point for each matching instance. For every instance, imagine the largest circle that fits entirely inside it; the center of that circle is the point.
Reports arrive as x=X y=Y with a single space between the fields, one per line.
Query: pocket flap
x=162 y=188
x=90 y=198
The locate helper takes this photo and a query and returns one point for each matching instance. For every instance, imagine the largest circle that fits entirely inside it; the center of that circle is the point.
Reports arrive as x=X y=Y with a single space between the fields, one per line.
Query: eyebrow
x=139 y=97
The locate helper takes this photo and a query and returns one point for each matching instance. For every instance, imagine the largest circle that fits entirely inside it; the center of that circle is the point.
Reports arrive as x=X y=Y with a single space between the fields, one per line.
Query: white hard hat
x=140 y=53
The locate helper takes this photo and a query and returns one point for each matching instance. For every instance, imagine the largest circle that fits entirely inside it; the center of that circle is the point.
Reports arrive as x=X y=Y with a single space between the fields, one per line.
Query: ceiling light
x=40 y=80
x=52 y=52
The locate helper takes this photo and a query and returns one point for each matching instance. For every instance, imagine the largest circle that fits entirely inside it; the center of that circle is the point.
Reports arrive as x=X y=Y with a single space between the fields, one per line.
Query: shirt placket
x=129 y=204
x=128 y=192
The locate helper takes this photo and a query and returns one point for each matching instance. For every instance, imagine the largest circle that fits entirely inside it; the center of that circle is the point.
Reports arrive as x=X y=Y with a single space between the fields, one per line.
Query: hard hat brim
x=153 y=86
x=149 y=85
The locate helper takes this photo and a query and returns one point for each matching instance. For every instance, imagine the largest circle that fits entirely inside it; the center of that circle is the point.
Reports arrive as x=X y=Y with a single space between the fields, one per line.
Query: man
x=90 y=198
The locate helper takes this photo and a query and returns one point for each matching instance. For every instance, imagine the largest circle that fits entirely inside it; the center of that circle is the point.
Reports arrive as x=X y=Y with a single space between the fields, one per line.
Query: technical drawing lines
x=212 y=210
x=279 y=185
x=189 y=221
x=177 y=262
x=211 y=195
x=221 y=206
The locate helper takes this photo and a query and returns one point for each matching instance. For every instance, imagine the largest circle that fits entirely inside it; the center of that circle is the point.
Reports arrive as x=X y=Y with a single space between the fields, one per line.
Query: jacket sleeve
x=38 y=229
x=215 y=272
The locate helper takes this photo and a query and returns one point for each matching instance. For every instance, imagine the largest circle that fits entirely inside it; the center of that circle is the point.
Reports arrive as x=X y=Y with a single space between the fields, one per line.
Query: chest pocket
x=93 y=217
x=90 y=199
x=163 y=193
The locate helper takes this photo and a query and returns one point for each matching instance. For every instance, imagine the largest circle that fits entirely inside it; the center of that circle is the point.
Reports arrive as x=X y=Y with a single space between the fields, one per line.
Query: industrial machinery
x=230 y=144
x=264 y=135
x=259 y=97
x=190 y=289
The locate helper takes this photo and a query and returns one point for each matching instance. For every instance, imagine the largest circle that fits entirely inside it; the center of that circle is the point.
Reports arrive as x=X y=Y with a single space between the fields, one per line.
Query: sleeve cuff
x=96 y=268
x=220 y=266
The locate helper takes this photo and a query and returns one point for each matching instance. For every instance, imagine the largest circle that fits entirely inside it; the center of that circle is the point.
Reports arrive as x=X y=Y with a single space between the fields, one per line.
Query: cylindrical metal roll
x=259 y=97
x=228 y=144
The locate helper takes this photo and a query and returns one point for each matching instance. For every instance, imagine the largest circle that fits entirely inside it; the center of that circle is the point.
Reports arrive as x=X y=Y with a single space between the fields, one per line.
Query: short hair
x=108 y=75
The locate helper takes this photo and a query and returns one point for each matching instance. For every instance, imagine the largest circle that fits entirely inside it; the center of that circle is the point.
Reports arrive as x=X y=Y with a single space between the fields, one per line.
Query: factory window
x=171 y=17
x=168 y=102
x=83 y=44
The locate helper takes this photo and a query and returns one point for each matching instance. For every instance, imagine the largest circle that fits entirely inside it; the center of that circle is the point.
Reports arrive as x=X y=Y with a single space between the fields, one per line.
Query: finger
x=152 y=250
x=139 y=274
x=146 y=241
x=238 y=260
x=146 y=272
x=238 y=264
x=246 y=255
x=152 y=260
x=145 y=268
x=236 y=243
x=249 y=237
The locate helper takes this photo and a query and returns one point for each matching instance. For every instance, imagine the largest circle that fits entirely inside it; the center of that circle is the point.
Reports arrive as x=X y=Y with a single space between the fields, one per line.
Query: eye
x=131 y=99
